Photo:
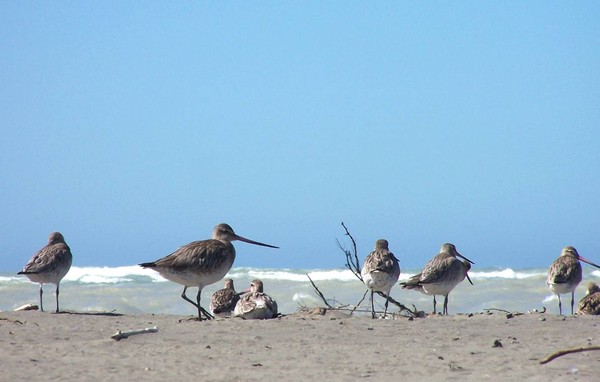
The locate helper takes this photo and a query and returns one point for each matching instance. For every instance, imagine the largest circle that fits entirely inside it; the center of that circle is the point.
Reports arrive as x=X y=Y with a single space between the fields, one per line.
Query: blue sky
x=135 y=127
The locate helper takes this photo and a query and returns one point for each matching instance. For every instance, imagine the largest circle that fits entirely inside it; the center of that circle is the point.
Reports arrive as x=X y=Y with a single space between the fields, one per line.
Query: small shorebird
x=565 y=274
x=380 y=272
x=223 y=301
x=441 y=275
x=255 y=304
x=590 y=304
x=201 y=263
x=49 y=265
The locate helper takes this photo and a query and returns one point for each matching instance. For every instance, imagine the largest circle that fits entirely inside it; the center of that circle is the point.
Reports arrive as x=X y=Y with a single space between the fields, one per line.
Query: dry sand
x=44 y=346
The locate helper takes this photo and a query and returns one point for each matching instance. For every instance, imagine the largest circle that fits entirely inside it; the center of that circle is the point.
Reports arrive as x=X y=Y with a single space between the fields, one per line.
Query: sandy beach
x=302 y=346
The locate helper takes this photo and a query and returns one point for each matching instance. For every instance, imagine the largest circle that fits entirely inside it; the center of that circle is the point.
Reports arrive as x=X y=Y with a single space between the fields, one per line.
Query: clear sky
x=135 y=127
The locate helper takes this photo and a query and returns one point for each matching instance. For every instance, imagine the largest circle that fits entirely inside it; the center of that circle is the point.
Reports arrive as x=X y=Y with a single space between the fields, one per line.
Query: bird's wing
x=436 y=268
x=206 y=253
x=563 y=270
x=47 y=258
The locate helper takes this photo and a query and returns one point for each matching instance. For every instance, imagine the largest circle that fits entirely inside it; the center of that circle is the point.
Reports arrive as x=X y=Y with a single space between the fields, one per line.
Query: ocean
x=133 y=290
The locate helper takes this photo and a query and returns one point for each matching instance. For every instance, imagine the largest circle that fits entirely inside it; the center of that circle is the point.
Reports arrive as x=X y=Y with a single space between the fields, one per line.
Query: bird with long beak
x=441 y=275
x=565 y=274
x=201 y=263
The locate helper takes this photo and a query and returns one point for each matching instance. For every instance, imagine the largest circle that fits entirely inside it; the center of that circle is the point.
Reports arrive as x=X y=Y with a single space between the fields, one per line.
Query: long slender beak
x=589 y=262
x=468 y=278
x=462 y=257
x=240 y=238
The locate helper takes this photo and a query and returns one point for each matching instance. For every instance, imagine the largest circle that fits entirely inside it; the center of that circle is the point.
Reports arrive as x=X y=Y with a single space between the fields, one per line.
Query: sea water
x=132 y=290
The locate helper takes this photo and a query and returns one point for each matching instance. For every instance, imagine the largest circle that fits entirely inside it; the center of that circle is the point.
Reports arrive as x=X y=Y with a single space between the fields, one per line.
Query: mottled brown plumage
x=380 y=272
x=256 y=305
x=223 y=301
x=201 y=263
x=441 y=275
x=590 y=304
x=49 y=265
x=565 y=274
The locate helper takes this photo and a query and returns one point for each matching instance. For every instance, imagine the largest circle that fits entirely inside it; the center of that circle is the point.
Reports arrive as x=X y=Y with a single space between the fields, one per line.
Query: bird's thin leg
x=200 y=308
x=559 y=305
x=446 y=305
x=434 y=302
x=387 y=300
x=57 y=291
x=572 y=301
x=41 y=300
x=191 y=302
x=372 y=305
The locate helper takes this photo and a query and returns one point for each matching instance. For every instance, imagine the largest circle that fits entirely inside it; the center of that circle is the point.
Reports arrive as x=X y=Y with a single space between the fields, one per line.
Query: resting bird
x=590 y=304
x=255 y=304
x=49 y=265
x=223 y=301
x=380 y=272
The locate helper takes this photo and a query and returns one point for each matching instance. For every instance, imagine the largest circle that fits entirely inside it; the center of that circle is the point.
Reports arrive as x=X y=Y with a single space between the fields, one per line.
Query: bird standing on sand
x=49 y=265
x=255 y=304
x=590 y=304
x=441 y=275
x=201 y=263
x=223 y=301
x=565 y=274
x=380 y=272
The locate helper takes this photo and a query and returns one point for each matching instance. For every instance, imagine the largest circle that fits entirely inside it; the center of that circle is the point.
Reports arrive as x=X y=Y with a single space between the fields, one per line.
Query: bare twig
x=319 y=292
x=360 y=302
x=560 y=353
x=352 y=261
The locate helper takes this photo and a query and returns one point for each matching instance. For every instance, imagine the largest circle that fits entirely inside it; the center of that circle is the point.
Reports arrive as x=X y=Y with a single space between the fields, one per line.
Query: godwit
x=201 y=263
x=380 y=272
x=441 y=275
x=49 y=265
x=565 y=274
x=590 y=304
x=255 y=304
x=223 y=301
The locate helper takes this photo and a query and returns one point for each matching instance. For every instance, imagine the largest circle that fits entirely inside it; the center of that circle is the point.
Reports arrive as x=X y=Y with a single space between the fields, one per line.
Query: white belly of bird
x=190 y=278
x=48 y=277
x=562 y=288
x=440 y=288
x=379 y=281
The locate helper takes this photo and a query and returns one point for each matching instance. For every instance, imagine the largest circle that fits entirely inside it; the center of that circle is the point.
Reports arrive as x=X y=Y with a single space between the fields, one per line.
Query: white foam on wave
x=507 y=273
x=318 y=275
x=595 y=273
x=109 y=275
x=12 y=278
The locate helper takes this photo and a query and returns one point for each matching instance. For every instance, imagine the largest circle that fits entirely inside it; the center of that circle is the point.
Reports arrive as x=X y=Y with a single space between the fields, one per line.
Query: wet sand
x=45 y=346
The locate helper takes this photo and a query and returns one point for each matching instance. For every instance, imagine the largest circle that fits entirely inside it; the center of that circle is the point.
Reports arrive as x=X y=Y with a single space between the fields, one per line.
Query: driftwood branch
x=119 y=335
x=560 y=353
x=319 y=292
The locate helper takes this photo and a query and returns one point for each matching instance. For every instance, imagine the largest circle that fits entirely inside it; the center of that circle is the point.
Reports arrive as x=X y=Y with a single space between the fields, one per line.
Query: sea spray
x=132 y=289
